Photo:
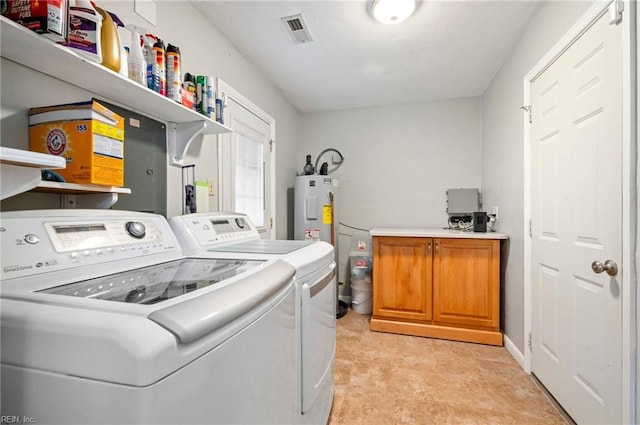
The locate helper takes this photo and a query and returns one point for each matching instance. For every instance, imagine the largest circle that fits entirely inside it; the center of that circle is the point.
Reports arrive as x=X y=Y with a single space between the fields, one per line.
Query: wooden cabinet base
x=437 y=331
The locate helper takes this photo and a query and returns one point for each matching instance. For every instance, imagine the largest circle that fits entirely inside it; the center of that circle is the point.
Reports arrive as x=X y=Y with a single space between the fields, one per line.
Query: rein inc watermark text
x=6 y=419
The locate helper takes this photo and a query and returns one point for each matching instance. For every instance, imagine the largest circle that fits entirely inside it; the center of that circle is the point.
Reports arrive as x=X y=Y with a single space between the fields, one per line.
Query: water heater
x=315 y=201
x=315 y=216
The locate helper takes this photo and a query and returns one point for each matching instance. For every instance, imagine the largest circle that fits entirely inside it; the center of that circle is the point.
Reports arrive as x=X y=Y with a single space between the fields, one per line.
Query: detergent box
x=46 y=17
x=87 y=134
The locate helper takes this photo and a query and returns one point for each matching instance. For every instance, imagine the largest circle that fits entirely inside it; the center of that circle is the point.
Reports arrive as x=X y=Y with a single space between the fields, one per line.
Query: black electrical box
x=480 y=221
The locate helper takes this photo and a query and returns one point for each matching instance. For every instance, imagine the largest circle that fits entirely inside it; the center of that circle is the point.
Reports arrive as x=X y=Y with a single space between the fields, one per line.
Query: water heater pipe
x=333 y=239
x=334 y=162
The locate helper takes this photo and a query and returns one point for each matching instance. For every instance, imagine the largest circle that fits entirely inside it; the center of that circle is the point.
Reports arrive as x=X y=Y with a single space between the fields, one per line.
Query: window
x=249 y=179
x=247 y=161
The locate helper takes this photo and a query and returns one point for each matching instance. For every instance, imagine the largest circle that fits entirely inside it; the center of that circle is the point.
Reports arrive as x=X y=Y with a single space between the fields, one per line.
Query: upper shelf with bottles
x=29 y=49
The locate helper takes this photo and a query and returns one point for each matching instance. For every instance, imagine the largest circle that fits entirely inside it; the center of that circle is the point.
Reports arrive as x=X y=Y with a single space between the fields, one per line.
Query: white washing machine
x=104 y=321
x=233 y=235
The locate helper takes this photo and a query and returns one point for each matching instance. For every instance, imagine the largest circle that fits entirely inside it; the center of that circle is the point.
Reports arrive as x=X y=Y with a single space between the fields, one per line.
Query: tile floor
x=395 y=379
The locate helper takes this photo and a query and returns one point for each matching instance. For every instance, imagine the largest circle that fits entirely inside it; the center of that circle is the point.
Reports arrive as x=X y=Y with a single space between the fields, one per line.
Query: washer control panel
x=73 y=236
x=33 y=245
x=206 y=230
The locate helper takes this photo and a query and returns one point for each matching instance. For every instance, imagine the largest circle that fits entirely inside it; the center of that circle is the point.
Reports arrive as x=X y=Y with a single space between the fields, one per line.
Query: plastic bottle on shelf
x=189 y=91
x=201 y=94
x=137 y=66
x=219 y=111
x=109 y=42
x=85 y=26
x=159 y=69
x=174 y=77
x=124 y=52
x=211 y=98
x=148 y=40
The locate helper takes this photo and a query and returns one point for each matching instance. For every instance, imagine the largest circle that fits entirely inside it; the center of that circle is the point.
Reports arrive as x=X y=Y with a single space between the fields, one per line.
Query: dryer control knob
x=240 y=222
x=135 y=229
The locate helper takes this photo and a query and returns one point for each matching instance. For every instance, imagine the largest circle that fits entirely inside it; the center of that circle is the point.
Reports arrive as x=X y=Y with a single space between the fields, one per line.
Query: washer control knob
x=240 y=222
x=135 y=229
x=31 y=239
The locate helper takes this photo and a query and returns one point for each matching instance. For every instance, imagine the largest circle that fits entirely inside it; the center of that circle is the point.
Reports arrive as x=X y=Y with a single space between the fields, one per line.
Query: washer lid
x=197 y=317
x=158 y=283
x=87 y=340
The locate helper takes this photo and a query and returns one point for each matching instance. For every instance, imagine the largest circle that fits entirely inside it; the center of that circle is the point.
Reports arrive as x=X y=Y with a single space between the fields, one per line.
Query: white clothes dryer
x=104 y=321
x=233 y=235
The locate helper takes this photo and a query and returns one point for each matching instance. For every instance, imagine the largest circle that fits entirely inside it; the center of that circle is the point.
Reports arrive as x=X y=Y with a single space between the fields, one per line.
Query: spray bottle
x=137 y=65
x=189 y=91
x=174 y=77
x=211 y=98
x=159 y=68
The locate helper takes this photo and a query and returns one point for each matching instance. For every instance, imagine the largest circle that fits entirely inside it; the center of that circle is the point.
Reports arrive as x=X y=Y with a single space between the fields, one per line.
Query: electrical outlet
x=495 y=214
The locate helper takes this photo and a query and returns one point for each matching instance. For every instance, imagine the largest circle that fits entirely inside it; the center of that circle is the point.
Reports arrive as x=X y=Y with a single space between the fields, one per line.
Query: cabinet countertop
x=428 y=232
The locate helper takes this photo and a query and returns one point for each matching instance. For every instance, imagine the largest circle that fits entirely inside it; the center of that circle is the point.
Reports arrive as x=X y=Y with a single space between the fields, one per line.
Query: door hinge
x=271 y=143
x=527 y=109
x=530 y=229
x=271 y=223
x=615 y=12
x=530 y=342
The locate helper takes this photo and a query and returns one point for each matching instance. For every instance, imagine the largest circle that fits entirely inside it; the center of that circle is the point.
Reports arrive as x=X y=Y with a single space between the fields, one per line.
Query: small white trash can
x=361 y=295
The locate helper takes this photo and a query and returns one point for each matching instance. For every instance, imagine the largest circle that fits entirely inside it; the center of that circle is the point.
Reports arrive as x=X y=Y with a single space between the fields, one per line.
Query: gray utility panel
x=145 y=163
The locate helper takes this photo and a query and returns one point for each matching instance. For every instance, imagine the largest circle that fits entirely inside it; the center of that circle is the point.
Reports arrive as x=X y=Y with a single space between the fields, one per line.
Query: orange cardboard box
x=88 y=135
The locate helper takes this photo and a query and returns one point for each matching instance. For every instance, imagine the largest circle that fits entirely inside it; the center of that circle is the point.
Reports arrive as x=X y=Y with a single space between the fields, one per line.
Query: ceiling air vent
x=297 y=27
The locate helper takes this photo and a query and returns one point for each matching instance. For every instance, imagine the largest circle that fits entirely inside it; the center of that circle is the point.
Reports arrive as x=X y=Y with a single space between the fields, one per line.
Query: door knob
x=609 y=266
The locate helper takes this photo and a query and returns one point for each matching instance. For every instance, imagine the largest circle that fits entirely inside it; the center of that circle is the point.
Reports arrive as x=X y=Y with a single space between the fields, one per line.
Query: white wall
x=399 y=161
x=502 y=147
x=204 y=51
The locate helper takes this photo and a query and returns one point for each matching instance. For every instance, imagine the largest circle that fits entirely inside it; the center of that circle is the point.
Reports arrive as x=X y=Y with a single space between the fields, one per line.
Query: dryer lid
x=264 y=246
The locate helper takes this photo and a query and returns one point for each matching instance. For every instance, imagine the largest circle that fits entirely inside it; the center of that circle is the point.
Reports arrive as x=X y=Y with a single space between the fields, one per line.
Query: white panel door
x=576 y=141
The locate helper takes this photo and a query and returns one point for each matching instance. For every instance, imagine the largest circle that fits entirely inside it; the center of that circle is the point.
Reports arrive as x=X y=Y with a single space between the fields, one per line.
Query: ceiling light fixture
x=392 y=12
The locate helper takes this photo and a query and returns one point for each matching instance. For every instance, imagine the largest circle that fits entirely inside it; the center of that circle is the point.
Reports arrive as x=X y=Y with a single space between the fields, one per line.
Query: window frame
x=227 y=158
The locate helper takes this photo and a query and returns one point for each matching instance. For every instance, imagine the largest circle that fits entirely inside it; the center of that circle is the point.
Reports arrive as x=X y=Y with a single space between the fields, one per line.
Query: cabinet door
x=466 y=282
x=402 y=278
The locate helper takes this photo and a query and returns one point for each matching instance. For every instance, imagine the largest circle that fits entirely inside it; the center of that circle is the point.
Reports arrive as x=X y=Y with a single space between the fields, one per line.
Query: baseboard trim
x=437 y=331
x=511 y=348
